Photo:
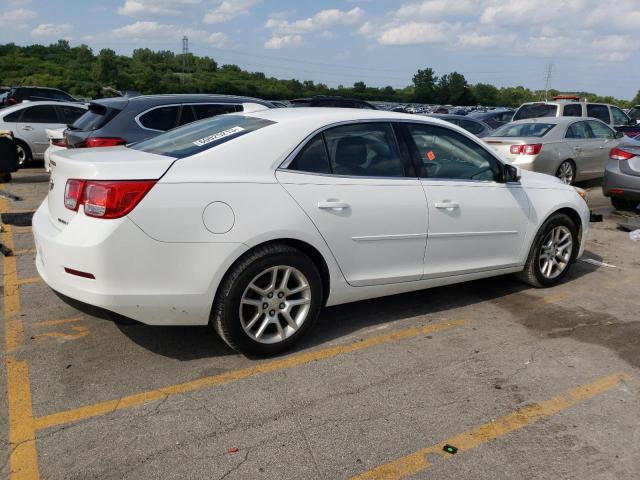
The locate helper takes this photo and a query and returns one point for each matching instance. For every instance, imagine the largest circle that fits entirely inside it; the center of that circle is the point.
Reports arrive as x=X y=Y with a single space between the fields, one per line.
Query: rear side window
x=200 y=136
x=40 y=114
x=524 y=130
x=70 y=114
x=13 y=117
x=313 y=157
x=160 y=118
x=619 y=117
x=472 y=127
x=601 y=112
x=536 y=110
x=364 y=150
x=206 y=110
x=186 y=115
x=572 y=110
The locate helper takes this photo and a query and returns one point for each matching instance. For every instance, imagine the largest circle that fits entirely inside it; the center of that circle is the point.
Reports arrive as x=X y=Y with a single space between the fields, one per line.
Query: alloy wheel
x=565 y=173
x=555 y=252
x=22 y=154
x=275 y=304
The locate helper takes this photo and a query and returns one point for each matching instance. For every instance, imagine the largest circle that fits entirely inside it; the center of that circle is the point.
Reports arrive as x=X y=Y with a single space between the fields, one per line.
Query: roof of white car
x=22 y=105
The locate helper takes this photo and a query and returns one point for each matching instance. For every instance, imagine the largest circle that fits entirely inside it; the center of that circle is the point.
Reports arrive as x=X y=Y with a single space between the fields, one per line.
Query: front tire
x=566 y=172
x=268 y=300
x=554 y=249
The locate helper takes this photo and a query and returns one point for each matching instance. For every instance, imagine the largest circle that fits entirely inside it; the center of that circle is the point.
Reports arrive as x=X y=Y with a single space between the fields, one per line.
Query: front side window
x=573 y=110
x=312 y=158
x=600 y=130
x=634 y=113
x=40 y=114
x=579 y=130
x=601 y=112
x=200 y=136
x=524 y=130
x=449 y=155
x=536 y=110
x=619 y=117
x=364 y=150
x=161 y=118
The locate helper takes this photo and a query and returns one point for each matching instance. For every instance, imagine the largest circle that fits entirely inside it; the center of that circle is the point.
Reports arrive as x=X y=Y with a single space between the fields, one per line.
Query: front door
x=476 y=222
x=365 y=201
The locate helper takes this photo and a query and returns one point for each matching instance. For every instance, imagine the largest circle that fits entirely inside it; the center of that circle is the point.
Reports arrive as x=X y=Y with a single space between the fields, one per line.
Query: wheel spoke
x=252 y=302
x=287 y=316
x=263 y=326
x=298 y=289
x=258 y=289
x=299 y=301
x=285 y=278
x=253 y=321
x=274 y=277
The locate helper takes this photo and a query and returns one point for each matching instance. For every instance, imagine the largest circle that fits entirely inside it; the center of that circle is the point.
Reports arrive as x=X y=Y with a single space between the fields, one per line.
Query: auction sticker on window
x=218 y=136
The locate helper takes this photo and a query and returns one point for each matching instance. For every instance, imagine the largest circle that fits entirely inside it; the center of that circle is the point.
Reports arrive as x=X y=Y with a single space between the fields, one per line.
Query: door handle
x=447 y=205
x=27 y=128
x=333 y=205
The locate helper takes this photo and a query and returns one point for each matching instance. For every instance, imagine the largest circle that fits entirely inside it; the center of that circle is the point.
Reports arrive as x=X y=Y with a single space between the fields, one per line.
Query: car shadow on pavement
x=189 y=343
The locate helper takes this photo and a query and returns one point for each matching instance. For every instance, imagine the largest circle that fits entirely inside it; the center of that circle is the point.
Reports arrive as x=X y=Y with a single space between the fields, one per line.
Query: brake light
x=531 y=149
x=11 y=101
x=94 y=142
x=59 y=142
x=106 y=199
x=619 y=154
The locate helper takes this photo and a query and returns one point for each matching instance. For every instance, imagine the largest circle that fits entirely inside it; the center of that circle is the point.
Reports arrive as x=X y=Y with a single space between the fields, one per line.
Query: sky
x=590 y=45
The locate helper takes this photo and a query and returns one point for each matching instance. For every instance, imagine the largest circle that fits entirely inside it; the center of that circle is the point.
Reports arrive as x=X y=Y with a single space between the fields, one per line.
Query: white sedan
x=253 y=222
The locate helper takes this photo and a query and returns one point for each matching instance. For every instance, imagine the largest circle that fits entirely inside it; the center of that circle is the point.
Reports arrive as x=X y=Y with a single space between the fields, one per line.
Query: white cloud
x=144 y=8
x=18 y=18
x=155 y=32
x=283 y=41
x=477 y=40
x=417 y=32
x=430 y=9
x=320 y=21
x=51 y=29
x=218 y=39
x=228 y=10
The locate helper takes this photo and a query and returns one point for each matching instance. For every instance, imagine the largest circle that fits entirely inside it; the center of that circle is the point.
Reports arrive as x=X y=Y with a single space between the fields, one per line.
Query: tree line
x=84 y=74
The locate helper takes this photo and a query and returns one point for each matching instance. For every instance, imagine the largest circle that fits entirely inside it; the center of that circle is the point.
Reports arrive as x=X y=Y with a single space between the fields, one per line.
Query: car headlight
x=583 y=193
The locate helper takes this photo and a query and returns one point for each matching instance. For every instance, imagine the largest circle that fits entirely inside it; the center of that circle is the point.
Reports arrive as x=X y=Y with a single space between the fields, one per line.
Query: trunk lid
x=111 y=163
x=502 y=145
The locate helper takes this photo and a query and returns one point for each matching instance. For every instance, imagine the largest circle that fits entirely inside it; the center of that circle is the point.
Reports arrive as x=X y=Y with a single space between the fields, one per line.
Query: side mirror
x=619 y=135
x=511 y=174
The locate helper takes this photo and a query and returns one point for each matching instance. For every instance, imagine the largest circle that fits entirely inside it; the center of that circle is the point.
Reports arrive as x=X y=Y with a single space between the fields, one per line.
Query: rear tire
x=624 y=203
x=268 y=300
x=554 y=248
x=24 y=153
x=566 y=172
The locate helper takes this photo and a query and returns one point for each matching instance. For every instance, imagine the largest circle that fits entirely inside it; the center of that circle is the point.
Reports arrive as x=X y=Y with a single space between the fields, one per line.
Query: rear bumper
x=614 y=179
x=153 y=282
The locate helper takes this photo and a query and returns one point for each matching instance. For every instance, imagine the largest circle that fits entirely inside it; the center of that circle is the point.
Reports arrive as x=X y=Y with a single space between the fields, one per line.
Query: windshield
x=199 y=136
x=96 y=117
x=524 y=130
x=536 y=110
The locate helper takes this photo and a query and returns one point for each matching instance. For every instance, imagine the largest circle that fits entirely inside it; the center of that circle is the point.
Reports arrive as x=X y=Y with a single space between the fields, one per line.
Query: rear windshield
x=201 y=135
x=524 y=130
x=536 y=110
x=96 y=117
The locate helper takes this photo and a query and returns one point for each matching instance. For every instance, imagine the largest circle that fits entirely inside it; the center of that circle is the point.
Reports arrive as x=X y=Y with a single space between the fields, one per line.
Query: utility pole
x=185 y=55
x=547 y=82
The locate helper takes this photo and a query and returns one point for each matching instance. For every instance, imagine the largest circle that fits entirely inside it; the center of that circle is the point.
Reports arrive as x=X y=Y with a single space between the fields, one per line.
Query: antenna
x=185 y=55
x=547 y=81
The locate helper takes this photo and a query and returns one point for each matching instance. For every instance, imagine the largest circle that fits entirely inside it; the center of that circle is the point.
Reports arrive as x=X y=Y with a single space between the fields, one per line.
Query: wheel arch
x=575 y=218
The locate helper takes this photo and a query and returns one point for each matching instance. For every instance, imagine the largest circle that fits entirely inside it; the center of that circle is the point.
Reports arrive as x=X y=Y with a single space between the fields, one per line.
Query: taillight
x=59 y=142
x=531 y=149
x=619 y=154
x=94 y=142
x=106 y=199
x=11 y=101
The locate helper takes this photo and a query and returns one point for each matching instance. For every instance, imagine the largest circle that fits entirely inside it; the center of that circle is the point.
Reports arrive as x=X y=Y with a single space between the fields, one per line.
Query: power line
x=547 y=82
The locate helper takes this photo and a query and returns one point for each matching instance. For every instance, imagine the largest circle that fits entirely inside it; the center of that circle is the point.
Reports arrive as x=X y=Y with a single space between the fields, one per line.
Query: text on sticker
x=218 y=136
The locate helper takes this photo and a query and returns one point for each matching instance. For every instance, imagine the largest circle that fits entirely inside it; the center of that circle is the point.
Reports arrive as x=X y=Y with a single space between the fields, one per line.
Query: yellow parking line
x=89 y=411
x=30 y=280
x=417 y=462
x=26 y=251
x=23 y=456
x=51 y=323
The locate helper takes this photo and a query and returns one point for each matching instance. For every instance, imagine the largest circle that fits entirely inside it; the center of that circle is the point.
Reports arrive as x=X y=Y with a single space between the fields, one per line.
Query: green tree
x=485 y=94
x=425 y=84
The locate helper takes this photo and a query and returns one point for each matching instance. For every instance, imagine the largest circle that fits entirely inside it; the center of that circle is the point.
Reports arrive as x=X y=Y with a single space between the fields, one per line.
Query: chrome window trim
x=139 y=123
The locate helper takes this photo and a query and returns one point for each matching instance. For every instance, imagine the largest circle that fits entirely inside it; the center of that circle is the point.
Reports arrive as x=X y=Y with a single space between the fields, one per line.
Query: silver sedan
x=571 y=148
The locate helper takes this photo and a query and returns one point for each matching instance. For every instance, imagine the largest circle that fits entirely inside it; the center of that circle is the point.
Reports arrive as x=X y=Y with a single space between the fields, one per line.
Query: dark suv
x=338 y=102
x=19 y=94
x=122 y=120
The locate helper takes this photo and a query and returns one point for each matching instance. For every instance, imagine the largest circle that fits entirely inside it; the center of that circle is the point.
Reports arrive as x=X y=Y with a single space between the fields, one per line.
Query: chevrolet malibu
x=253 y=222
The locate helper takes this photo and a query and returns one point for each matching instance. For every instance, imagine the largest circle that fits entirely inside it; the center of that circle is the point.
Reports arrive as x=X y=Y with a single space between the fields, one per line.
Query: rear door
x=363 y=197
x=33 y=125
x=584 y=145
x=476 y=222
x=605 y=140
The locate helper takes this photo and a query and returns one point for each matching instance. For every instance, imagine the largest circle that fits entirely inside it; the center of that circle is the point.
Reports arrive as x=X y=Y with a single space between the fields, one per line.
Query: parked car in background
x=254 y=222
x=56 y=142
x=472 y=125
x=29 y=122
x=122 y=120
x=609 y=114
x=570 y=148
x=634 y=113
x=622 y=175
x=494 y=118
x=33 y=94
x=335 y=102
